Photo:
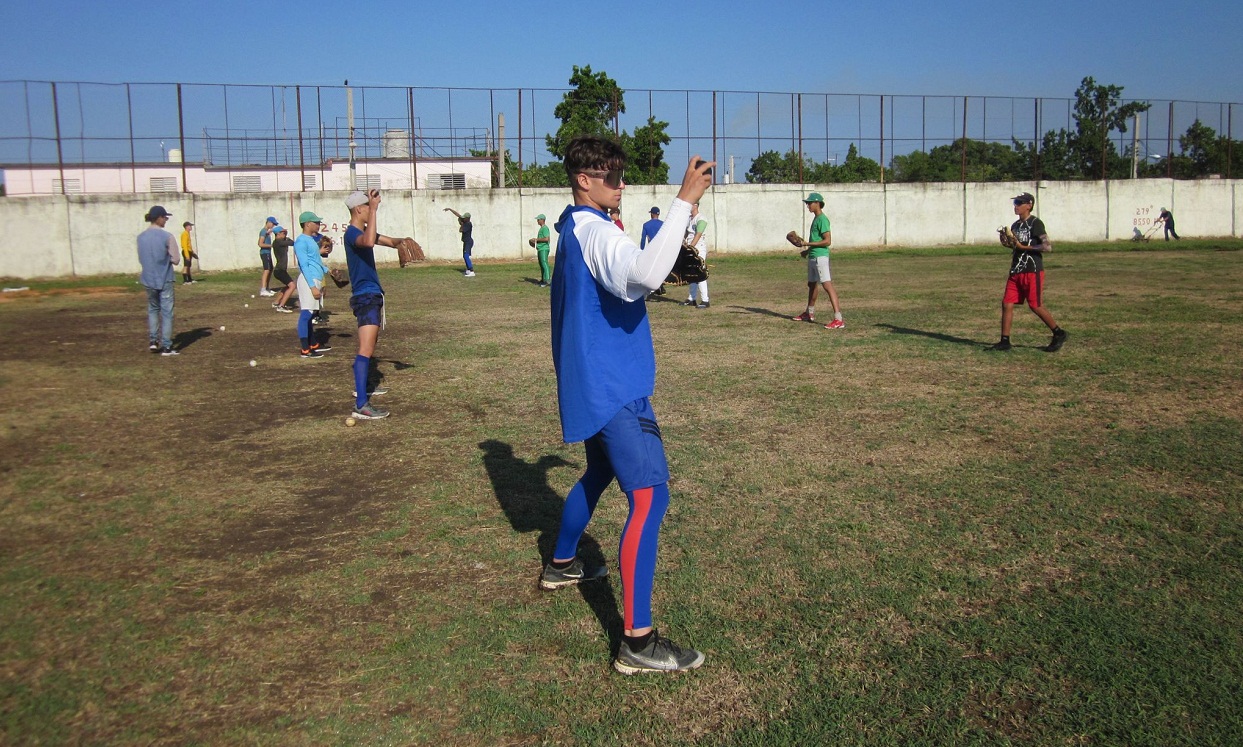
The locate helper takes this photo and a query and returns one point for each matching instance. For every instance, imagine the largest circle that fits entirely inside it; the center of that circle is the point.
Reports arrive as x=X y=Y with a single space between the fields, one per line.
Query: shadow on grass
x=934 y=335
x=765 y=312
x=531 y=505
x=183 y=340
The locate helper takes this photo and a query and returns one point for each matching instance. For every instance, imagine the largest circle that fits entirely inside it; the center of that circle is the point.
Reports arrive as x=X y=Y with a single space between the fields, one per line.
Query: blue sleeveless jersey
x=601 y=344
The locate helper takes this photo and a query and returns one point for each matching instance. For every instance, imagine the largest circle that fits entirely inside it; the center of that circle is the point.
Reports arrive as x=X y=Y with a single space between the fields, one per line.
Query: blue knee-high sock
x=304 y=328
x=362 y=366
x=470 y=267
x=580 y=504
x=637 y=558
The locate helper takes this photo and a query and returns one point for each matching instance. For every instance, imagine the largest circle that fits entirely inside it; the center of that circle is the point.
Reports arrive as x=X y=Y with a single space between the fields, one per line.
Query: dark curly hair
x=591 y=152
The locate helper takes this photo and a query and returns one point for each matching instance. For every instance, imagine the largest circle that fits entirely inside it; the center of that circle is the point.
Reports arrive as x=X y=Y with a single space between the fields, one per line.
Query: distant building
x=127 y=178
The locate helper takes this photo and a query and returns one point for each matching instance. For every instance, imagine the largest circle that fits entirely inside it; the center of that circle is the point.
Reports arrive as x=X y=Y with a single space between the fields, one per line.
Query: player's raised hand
x=697 y=179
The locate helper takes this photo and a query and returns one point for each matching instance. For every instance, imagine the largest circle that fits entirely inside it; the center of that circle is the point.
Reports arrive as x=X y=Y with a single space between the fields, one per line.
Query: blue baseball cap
x=272 y=220
x=654 y=211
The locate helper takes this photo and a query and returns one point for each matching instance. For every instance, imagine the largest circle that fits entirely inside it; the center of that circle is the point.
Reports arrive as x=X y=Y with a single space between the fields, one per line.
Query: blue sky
x=1184 y=50
x=1190 y=51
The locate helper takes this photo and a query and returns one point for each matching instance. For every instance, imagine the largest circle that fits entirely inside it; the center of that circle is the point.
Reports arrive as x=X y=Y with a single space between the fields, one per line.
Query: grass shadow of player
x=183 y=340
x=531 y=505
x=933 y=335
x=764 y=312
x=532 y=281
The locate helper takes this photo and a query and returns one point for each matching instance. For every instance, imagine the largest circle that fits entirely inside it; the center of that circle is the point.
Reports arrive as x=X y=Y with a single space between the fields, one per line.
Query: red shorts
x=1025 y=286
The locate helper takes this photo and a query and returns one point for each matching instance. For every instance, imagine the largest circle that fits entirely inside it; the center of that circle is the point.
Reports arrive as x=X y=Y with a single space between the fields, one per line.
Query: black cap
x=1025 y=197
x=157 y=211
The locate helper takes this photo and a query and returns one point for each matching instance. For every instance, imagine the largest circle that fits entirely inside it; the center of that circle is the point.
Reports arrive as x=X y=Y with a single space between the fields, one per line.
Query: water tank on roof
x=396 y=144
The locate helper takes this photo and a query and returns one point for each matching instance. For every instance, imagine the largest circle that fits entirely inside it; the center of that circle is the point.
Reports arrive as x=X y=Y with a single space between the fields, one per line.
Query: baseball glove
x=338 y=278
x=325 y=242
x=531 y=242
x=689 y=267
x=1007 y=237
x=794 y=238
x=408 y=250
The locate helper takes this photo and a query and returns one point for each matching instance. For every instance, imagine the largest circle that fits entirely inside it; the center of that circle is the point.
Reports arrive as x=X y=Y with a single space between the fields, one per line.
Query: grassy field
x=879 y=536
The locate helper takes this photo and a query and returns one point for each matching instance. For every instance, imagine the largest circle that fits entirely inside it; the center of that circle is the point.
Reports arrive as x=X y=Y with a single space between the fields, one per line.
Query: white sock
x=837 y=315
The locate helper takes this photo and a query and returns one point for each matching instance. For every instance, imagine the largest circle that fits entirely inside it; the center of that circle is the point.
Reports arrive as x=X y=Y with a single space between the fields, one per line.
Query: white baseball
x=246 y=305
x=253 y=364
x=351 y=422
x=252 y=295
x=222 y=328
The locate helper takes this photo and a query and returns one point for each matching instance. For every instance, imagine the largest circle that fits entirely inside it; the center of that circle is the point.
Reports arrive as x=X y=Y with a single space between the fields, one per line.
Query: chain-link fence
x=68 y=125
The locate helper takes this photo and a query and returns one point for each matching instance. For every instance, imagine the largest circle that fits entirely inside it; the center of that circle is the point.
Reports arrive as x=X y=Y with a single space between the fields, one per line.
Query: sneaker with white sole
x=660 y=655
x=283 y=309
x=321 y=348
x=836 y=324
x=806 y=316
x=370 y=412
x=576 y=573
x=168 y=351
x=312 y=354
x=153 y=346
x=469 y=274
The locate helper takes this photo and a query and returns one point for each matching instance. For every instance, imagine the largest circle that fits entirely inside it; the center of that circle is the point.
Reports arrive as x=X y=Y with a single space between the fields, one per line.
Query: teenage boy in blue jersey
x=606 y=371
x=361 y=239
x=311 y=272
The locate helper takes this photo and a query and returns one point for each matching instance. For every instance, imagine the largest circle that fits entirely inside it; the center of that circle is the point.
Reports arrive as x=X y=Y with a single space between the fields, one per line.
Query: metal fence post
x=60 y=158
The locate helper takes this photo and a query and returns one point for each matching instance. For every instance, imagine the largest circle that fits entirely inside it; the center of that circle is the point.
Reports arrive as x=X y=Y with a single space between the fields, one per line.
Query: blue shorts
x=631 y=446
x=368 y=309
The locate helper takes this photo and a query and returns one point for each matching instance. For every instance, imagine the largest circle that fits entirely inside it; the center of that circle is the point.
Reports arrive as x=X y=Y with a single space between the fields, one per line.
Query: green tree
x=645 y=153
x=589 y=108
x=1098 y=112
x=771 y=167
x=1205 y=153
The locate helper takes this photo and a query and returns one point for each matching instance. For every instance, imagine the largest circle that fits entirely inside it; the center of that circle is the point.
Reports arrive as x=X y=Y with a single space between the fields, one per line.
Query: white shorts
x=818 y=270
x=305 y=299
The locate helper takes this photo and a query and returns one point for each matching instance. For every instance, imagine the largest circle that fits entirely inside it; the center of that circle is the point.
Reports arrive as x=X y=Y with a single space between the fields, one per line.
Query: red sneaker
x=836 y=324
x=806 y=316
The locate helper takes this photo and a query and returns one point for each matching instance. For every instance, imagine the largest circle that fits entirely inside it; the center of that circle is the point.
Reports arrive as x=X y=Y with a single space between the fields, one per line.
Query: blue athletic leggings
x=639 y=539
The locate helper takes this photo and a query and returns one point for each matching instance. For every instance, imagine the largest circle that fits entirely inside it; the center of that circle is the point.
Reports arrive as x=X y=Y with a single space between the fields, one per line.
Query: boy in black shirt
x=1026 y=281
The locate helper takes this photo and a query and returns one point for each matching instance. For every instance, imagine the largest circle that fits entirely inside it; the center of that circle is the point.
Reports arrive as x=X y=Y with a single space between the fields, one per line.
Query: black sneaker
x=321 y=348
x=153 y=346
x=1001 y=347
x=705 y=305
x=312 y=354
x=168 y=351
x=689 y=302
x=1059 y=339
x=661 y=655
x=554 y=578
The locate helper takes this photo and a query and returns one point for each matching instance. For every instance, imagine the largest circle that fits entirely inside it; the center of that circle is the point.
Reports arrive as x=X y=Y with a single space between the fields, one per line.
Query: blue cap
x=278 y=229
x=654 y=211
x=272 y=220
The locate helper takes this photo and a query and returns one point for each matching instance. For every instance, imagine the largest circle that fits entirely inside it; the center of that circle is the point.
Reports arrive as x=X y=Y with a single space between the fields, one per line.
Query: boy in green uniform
x=818 y=272
x=541 y=251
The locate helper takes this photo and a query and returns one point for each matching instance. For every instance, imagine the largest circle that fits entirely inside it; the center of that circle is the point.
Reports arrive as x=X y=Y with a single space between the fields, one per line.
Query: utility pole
x=349 y=113
x=500 y=149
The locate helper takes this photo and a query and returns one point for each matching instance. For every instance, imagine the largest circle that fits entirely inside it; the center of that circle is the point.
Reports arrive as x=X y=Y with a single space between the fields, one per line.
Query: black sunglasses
x=613 y=178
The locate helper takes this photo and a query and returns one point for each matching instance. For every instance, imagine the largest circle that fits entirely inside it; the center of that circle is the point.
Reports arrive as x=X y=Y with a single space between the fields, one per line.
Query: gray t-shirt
x=157 y=253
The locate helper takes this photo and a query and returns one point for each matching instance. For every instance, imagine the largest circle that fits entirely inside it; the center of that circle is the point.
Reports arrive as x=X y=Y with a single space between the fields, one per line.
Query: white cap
x=355 y=199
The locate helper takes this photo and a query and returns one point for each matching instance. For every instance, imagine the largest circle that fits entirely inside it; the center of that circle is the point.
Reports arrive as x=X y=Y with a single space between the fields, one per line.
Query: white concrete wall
x=52 y=236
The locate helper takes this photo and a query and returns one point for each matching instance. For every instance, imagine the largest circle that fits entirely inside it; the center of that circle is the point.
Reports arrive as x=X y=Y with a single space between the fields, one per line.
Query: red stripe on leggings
x=630 y=552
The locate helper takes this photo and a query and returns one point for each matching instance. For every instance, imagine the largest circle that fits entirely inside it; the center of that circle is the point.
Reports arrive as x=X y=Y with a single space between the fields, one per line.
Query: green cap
x=540 y=217
x=815 y=197
x=309 y=217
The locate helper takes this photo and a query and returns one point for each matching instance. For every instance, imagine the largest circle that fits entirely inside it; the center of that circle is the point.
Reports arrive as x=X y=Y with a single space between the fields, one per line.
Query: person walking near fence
x=280 y=269
x=542 y=246
x=1029 y=243
x=158 y=253
x=266 y=234
x=187 y=253
x=1167 y=218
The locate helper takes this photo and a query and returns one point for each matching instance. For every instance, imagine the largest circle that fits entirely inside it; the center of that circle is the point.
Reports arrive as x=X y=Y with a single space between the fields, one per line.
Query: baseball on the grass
x=222 y=328
x=253 y=364
x=246 y=305
x=252 y=295
x=351 y=422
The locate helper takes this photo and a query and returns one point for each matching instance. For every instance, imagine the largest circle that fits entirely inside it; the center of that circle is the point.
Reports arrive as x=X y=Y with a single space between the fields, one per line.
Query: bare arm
x=826 y=241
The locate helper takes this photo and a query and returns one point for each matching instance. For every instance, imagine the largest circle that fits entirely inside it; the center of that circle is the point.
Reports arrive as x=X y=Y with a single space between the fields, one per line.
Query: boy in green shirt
x=541 y=251
x=818 y=272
